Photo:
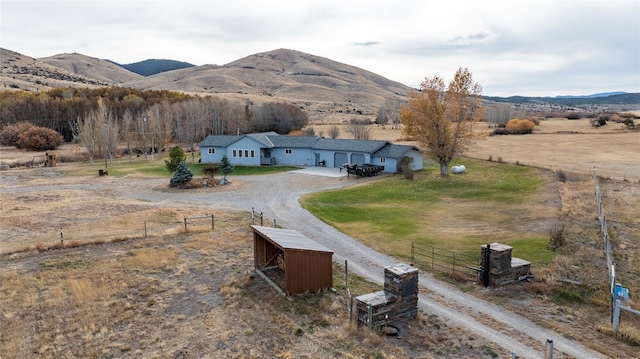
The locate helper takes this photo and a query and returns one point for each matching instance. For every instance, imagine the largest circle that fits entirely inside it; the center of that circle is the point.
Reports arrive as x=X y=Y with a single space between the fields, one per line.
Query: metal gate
x=456 y=264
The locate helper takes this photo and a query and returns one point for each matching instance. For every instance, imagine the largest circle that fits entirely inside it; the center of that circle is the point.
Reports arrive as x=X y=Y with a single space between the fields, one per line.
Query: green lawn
x=458 y=212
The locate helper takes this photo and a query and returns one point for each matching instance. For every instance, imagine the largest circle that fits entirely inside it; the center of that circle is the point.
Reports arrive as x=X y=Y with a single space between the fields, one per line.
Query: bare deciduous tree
x=382 y=119
x=359 y=129
x=441 y=118
x=334 y=131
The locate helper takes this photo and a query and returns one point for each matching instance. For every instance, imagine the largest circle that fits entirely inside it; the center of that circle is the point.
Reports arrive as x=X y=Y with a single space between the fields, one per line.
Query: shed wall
x=307 y=271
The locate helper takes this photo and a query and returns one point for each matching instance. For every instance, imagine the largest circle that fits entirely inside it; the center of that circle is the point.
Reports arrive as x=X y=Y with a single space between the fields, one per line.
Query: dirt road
x=277 y=196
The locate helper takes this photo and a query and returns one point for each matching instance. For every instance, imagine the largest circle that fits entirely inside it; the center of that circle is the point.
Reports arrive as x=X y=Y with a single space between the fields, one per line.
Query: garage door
x=357 y=158
x=339 y=158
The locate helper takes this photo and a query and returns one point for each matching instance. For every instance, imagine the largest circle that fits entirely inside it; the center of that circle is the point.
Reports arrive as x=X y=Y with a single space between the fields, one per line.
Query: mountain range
x=318 y=85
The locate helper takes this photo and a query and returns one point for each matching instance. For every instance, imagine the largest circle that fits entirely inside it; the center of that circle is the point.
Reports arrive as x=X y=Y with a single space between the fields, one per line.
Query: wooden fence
x=191 y=219
x=258 y=217
x=456 y=264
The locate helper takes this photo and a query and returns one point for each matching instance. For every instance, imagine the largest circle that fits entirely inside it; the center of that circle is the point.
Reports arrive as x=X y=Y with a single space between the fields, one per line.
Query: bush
x=520 y=127
x=499 y=131
x=176 y=156
x=405 y=167
x=10 y=133
x=556 y=236
x=629 y=123
x=182 y=175
x=39 y=139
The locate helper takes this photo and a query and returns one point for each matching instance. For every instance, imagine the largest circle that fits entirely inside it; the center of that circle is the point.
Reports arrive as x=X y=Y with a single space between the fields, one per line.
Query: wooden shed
x=290 y=261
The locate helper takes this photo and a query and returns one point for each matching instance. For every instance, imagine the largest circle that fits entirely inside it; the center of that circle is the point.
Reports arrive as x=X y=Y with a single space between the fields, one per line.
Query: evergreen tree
x=182 y=174
x=175 y=157
x=225 y=166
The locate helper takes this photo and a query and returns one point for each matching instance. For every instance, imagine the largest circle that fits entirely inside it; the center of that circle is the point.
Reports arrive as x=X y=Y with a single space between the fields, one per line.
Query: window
x=253 y=153
x=246 y=153
x=240 y=153
x=287 y=151
x=234 y=153
x=212 y=151
x=383 y=159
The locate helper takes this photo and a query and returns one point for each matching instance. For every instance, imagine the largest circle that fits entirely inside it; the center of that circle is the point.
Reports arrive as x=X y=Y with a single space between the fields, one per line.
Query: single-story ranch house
x=270 y=148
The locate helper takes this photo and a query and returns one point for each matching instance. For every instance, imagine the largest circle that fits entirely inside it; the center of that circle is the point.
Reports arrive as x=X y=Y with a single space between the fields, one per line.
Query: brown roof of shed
x=290 y=239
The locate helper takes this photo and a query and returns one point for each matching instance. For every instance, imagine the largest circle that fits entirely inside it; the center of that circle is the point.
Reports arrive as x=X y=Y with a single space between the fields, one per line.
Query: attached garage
x=340 y=158
x=357 y=159
x=290 y=261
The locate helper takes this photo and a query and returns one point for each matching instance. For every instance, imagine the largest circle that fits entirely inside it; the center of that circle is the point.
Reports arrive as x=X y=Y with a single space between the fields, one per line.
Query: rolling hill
x=324 y=88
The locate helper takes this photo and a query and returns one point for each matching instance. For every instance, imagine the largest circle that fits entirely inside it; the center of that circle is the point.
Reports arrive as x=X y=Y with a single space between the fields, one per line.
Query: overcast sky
x=512 y=47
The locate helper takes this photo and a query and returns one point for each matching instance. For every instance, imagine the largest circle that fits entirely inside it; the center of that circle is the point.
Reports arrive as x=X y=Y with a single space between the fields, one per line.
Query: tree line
x=144 y=120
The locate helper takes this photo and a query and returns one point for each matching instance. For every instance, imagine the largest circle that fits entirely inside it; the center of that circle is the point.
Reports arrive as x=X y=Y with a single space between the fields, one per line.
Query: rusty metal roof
x=290 y=239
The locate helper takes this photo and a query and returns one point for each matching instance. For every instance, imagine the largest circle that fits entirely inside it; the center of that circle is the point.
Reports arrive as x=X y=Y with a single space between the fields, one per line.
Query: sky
x=517 y=47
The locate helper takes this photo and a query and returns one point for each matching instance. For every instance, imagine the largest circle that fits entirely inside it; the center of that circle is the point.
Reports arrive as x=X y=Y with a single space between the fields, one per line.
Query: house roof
x=294 y=141
x=273 y=140
x=219 y=140
x=335 y=144
x=393 y=151
x=290 y=239
x=264 y=138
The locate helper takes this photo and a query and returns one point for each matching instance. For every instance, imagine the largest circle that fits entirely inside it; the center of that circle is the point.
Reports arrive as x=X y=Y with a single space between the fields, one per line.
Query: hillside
x=20 y=72
x=328 y=91
x=317 y=84
x=97 y=69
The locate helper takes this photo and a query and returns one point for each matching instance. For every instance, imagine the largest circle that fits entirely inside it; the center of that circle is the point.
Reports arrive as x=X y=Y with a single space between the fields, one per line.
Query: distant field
x=569 y=145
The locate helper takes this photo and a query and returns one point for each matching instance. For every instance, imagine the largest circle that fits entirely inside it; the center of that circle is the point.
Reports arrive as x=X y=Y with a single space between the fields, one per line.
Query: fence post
x=253 y=218
x=548 y=349
x=346 y=275
x=616 y=316
x=261 y=218
x=350 y=307
x=145 y=228
x=185 y=223
x=212 y=225
x=486 y=278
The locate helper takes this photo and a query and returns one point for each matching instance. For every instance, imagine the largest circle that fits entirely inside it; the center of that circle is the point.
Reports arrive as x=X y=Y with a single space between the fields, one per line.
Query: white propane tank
x=458 y=169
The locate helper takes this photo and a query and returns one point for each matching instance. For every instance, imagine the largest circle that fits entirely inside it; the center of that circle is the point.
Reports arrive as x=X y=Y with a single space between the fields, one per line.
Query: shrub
x=629 y=123
x=556 y=236
x=562 y=176
x=10 y=133
x=40 y=139
x=520 y=127
x=176 y=156
x=405 y=167
x=499 y=131
x=182 y=175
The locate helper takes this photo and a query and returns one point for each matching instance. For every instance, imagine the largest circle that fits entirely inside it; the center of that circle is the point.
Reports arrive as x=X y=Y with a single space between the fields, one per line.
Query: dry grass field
x=182 y=295
x=192 y=295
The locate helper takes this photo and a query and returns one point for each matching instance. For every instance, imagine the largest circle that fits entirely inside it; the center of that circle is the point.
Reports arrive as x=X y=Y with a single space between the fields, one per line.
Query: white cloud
x=524 y=47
